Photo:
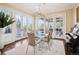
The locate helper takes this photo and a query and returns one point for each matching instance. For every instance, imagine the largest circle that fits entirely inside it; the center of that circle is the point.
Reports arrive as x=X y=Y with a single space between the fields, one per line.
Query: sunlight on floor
x=56 y=48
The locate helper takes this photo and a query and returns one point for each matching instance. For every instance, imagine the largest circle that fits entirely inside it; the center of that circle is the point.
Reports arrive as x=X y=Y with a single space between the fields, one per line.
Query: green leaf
x=5 y=20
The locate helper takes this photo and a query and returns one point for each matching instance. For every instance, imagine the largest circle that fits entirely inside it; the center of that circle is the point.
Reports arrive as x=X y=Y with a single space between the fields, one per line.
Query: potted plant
x=5 y=20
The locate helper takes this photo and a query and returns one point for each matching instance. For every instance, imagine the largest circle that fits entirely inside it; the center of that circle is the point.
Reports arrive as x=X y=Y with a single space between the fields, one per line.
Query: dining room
x=39 y=28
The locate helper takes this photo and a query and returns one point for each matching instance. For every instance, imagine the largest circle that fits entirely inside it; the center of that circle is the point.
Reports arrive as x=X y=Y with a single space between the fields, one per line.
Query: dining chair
x=48 y=38
x=32 y=41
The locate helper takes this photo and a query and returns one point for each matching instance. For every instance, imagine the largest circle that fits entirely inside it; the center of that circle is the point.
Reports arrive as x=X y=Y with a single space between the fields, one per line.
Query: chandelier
x=40 y=14
x=39 y=11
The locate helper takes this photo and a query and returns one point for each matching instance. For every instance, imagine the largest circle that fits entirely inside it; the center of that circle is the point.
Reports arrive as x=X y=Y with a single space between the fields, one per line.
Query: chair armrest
x=76 y=34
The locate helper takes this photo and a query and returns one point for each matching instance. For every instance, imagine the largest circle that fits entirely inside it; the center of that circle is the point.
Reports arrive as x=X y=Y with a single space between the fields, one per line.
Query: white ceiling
x=45 y=8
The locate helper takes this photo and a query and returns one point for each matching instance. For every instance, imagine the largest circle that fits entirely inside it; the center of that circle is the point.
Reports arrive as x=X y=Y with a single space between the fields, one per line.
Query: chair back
x=31 y=38
x=49 y=36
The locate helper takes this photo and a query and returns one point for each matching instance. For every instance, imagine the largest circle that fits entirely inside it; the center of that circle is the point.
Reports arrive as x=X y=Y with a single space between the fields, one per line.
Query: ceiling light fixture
x=39 y=10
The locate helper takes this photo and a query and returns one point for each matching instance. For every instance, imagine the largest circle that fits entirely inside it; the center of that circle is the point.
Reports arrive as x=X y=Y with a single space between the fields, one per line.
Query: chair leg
x=39 y=47
x=49 y=46
x=34 y=50
x=27 y=49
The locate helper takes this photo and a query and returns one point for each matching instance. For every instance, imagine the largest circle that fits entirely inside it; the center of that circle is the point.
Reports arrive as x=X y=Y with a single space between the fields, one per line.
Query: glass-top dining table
x=40 y=38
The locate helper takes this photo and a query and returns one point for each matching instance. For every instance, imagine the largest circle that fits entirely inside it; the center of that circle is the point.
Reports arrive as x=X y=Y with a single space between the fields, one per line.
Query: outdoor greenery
x=5 y=20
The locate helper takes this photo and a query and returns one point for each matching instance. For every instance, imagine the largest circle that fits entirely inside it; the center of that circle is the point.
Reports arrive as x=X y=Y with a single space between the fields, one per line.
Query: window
x=40 y=26
x=24 y=25
x=59 y=26
x=29 y=24
x=18 y=25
